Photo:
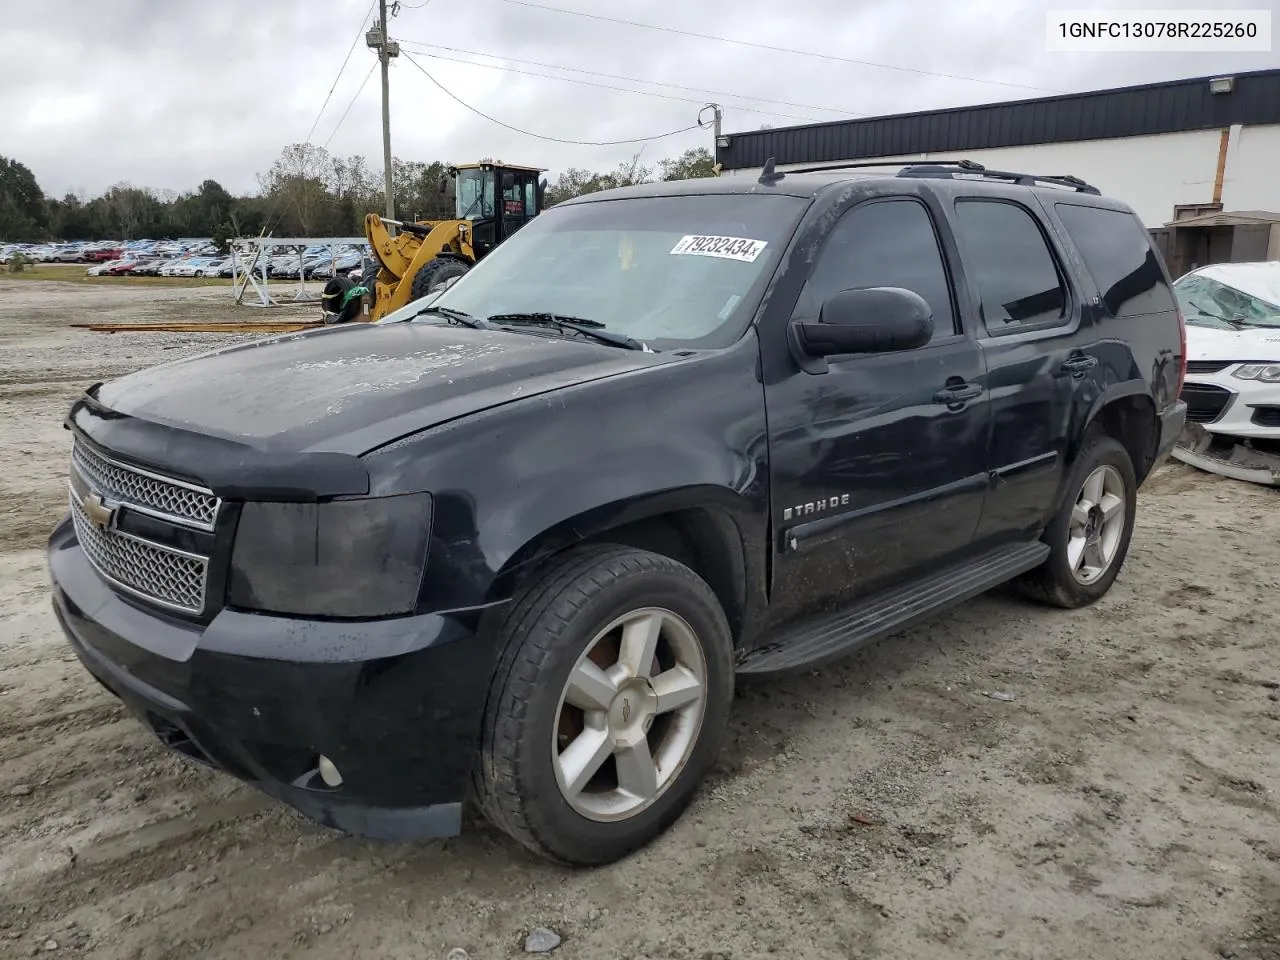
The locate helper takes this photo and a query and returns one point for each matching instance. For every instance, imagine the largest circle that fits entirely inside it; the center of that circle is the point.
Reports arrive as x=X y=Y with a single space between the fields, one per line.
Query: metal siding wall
x=1179 y=106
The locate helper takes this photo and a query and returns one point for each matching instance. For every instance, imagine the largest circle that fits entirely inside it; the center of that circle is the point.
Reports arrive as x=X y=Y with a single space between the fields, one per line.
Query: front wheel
x=608 y=707
x=434 y=274
x=1089 y=535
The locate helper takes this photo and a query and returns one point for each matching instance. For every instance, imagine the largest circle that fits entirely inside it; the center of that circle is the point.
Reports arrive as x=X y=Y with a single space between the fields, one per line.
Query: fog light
x=329 y=773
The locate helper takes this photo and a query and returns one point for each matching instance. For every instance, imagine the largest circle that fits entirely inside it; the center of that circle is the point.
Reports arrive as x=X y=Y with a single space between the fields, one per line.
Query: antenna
x=768 y=175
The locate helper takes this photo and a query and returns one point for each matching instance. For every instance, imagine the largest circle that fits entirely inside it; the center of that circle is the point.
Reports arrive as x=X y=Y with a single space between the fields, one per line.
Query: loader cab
x=498 y=199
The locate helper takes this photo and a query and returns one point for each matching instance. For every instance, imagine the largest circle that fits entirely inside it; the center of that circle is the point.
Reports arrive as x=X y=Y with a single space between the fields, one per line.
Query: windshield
x=684 y=270
x=475 y=194
x=1209 y=303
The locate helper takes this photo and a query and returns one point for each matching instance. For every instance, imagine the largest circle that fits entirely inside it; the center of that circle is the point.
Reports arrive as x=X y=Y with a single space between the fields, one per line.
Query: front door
x=878 y=464
x=519 y=199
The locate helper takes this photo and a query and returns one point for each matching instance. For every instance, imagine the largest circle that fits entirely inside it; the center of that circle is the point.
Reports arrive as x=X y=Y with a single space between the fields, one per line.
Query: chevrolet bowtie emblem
x=99 y=513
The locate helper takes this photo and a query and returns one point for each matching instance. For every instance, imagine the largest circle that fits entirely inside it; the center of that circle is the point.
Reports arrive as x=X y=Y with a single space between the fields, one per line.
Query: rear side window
x=1009 y=259
x=1119 y=255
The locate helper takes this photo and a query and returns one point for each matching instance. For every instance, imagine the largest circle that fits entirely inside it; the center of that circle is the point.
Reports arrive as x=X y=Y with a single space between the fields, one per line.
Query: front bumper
x=396 y=705
x=1222 y=403
x=1236 y=457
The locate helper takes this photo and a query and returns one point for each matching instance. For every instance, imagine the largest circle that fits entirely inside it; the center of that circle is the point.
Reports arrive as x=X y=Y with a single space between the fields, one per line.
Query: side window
x=512 y=202
x=1014 y=271
x=1118 y=252
x=530 y=197
x=883 y=243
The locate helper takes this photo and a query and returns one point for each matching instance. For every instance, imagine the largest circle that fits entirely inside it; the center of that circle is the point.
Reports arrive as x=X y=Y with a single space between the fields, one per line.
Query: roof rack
x=858 y=164
x=947 y=170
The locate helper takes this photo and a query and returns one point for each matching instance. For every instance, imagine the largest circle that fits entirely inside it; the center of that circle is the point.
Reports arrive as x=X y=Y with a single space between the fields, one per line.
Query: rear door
x=877 y=462
x=1036 y=335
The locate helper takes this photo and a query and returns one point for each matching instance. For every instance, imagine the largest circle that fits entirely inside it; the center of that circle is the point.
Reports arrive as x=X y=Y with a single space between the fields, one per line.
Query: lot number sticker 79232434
x=727 y=248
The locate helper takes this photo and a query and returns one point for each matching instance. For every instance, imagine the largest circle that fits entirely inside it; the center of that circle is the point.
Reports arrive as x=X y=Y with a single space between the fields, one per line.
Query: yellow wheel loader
x=491 y=202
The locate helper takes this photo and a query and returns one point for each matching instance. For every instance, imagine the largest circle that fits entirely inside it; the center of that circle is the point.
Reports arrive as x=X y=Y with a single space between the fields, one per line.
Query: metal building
x=1207 y=143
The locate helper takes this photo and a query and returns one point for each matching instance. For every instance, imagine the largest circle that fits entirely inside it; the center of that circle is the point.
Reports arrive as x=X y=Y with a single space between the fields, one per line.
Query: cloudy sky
x=165 y=93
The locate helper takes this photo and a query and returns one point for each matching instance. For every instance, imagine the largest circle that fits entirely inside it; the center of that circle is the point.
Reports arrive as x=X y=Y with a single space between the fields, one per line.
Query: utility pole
x=718 y=139
x=378 y=39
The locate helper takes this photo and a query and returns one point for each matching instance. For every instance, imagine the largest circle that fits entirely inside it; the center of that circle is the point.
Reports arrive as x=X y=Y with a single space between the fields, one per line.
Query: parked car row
x=147 y=265
x=190 y=258
x=104 y=251
x=316 y=263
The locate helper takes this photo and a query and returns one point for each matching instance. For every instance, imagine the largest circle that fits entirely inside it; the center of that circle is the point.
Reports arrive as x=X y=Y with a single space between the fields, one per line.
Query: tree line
x=307 y=191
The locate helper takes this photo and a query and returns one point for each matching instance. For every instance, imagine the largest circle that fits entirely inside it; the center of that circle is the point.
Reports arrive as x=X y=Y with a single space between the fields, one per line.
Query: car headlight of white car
x=1262 y=372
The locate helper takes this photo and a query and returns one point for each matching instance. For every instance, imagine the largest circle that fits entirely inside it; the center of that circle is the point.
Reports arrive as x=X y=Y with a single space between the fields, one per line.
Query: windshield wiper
x=466 y=319
x=588 y=328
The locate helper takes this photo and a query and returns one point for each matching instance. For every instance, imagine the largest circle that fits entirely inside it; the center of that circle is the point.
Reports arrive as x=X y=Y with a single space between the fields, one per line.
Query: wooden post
x=1222 y=166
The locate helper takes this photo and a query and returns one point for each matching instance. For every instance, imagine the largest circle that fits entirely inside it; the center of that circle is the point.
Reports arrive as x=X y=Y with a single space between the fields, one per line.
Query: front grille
x=156 y=572
x=1205 y=401
x=1266 y=416
x=146 y=569
x=161 y=497
x=1207 y=366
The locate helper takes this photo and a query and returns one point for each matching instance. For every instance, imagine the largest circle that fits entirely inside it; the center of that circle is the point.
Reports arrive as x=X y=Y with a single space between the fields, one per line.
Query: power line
x=602 y=86
x=614 y=76
x=363 y=84
x=539 y=136
x=345 y=60
x=776 y=49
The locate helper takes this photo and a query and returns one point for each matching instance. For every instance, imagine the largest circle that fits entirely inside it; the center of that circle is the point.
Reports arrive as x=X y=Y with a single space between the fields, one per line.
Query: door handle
x=1077 y=365
x=958 y=393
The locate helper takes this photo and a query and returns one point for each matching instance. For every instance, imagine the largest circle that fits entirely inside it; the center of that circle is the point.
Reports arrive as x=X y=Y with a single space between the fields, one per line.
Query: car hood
x=352 y=388
x=1210 y=343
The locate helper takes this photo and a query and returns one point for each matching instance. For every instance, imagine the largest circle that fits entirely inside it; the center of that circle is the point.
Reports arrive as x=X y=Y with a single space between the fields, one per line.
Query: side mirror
x=870 y=320
x=542 y=193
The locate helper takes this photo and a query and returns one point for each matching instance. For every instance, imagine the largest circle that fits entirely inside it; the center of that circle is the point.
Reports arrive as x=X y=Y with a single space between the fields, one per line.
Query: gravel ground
x=1117 y=800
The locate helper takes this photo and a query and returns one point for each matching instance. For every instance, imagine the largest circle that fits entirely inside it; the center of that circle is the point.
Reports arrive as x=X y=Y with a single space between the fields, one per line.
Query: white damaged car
x=1232 y=387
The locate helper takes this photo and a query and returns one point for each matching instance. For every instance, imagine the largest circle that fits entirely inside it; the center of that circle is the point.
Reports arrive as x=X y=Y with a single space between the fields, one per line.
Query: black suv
x=515 y=541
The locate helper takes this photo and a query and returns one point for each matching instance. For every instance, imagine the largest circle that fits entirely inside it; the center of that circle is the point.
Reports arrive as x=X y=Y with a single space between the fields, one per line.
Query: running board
x=833 y=635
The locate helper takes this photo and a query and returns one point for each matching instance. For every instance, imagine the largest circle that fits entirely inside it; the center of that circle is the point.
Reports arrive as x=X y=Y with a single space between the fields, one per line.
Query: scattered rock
x=1001 y=695
x=51 y=945
x=457 y=953
x=541 y=940
x=21 y=790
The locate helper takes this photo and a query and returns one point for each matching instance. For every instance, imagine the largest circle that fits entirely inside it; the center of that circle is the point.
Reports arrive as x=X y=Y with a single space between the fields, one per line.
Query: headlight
x=1265 y=372
x=344 y=558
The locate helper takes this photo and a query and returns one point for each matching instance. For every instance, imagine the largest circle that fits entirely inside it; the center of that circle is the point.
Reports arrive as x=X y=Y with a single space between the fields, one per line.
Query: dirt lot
x=1124 y=803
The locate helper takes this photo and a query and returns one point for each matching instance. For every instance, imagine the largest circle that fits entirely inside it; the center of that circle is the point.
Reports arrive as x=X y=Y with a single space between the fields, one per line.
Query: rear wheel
x=435 y=273
x=608 y=707
x=1090 y=534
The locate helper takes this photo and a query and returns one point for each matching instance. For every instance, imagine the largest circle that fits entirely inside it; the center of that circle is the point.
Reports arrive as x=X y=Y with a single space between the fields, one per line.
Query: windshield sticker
x=727 y=248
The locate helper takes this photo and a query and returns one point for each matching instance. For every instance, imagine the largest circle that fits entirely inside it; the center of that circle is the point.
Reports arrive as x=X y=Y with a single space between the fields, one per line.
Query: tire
x=433 y=273
x=1058 y=582
x=545 y=637
x=331 y=301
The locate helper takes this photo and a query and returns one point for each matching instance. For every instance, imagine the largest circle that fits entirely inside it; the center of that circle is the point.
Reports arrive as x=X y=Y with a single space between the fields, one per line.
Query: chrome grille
x=149 y=493
x=152 y=571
